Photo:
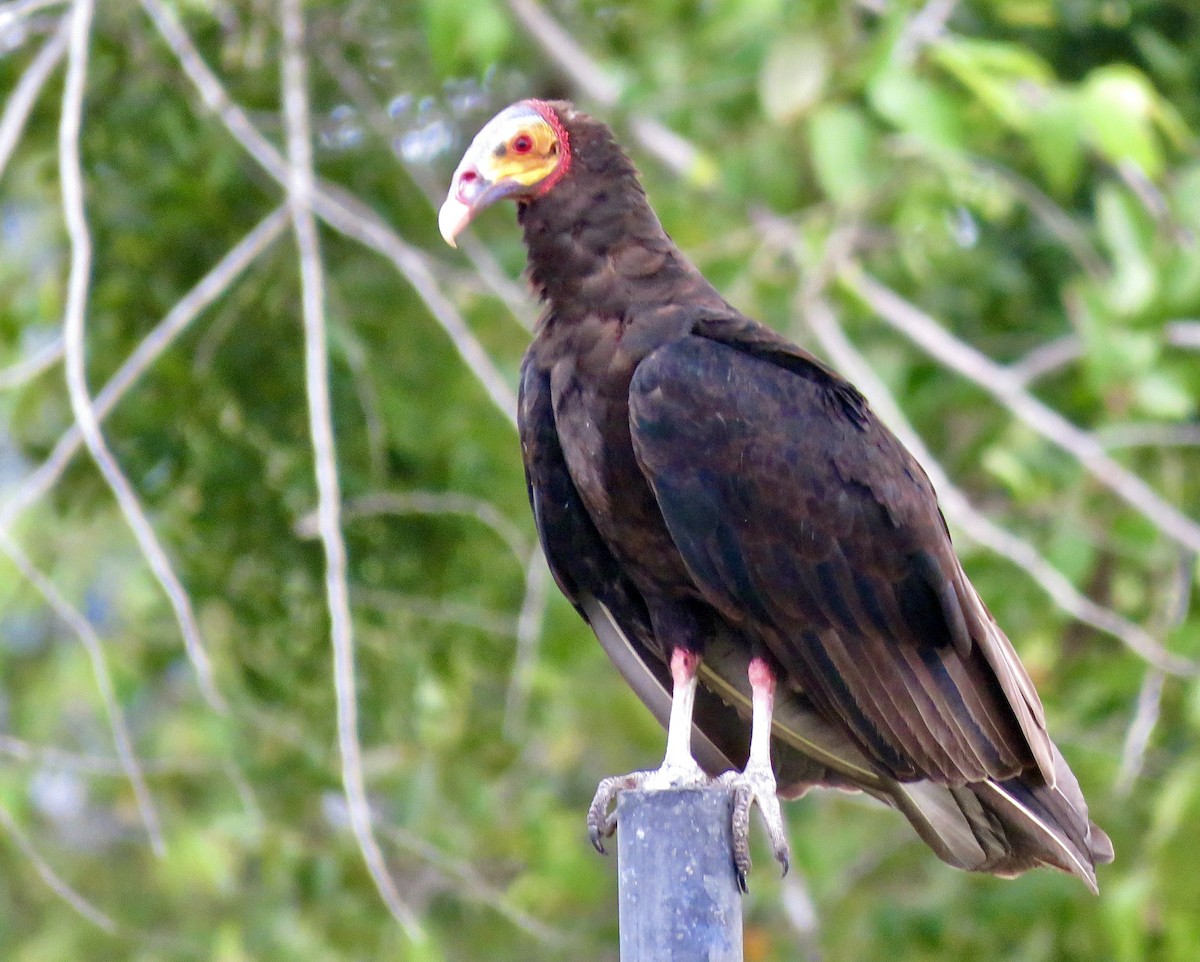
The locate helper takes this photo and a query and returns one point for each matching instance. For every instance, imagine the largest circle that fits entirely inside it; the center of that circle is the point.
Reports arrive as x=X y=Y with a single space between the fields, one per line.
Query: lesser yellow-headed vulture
x=760 y=557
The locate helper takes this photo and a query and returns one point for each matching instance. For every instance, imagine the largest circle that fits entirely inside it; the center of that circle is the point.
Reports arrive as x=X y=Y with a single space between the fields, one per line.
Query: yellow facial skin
x=510 y=156
x=527 y=152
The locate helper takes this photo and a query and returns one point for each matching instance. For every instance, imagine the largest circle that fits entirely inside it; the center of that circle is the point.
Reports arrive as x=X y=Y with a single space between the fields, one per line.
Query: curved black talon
x=739 y=820
x=752 y=787
x=601 y=822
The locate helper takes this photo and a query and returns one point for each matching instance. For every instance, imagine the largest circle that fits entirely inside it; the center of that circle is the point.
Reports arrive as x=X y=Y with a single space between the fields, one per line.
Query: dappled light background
x=282 y=673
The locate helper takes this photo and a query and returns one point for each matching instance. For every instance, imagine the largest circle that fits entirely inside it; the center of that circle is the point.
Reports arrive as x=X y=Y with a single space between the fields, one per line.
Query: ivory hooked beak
x=453 y=219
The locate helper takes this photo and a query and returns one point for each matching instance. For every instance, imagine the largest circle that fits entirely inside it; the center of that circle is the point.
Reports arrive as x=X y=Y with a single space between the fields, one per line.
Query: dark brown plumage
x=701 y=485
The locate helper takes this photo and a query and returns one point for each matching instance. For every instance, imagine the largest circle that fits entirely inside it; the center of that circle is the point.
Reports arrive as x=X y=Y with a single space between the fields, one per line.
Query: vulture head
x=521 y=153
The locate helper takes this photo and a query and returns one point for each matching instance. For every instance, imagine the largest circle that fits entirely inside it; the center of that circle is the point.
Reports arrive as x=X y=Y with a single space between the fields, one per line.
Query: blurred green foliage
x=1027 y=174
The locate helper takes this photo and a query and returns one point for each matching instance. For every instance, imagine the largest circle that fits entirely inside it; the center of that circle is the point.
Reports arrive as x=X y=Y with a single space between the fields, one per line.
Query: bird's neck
x=596 y=246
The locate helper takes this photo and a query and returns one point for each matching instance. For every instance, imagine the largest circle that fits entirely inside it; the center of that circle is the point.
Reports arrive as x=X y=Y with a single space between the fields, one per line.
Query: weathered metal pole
x=677 y=888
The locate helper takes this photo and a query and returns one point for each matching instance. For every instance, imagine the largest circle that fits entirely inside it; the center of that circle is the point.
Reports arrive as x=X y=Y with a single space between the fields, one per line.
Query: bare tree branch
x=1060 y=224
x=358 y=356
x=439 y=610
x=215 y=283
x=245 y=793
x=20 y=102
x=71 y=178
x=474 y=886
x=582 y=70
x=1046 y=358
x=337 y=208
x=529 y=633
x=1149 y=435
x=352 y=218
x=574 y=62
x=300 y=187
x=974 y=524
x=1141 y=728
x=430 y=503
x=926 y=26
x=52 y=879
x=1177 y=601
x=51 y=756
x=23 y=371
x=15 y=10
x=104 y=684
x=1005 y=388
x=514 y=296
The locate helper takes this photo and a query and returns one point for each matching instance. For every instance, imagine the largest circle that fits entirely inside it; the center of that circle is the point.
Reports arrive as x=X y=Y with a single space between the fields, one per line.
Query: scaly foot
x=602 y=813
x=755 y=784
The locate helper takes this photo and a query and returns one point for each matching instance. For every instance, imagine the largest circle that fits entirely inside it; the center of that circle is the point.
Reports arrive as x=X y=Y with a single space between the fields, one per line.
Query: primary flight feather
x=760 y=557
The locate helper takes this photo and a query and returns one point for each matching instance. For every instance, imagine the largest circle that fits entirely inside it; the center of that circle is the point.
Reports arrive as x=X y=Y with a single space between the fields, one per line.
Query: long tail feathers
x=1007 y=827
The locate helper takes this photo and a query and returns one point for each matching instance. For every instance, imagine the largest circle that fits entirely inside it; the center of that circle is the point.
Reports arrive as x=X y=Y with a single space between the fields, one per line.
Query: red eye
x=522 y=144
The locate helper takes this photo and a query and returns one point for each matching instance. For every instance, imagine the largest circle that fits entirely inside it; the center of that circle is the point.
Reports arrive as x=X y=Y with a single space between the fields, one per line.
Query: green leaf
x=1160 y=395
x=918 y=107
x=1056 y=137
x=793 y=77
x=841 y=145
x=1127 y=233
x=1118 y=106
x=1004 y=77
x=466 y=38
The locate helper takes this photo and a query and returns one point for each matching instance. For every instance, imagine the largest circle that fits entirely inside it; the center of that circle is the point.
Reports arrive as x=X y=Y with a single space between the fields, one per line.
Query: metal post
x=678 y=891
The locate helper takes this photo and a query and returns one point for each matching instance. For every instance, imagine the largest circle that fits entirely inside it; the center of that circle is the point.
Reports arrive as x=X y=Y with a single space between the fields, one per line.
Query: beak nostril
x=468 y=177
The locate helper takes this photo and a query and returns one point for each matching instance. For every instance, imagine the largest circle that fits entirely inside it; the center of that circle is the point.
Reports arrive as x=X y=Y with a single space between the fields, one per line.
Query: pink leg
x=757 y=782
x=684 y=666
x=679 y=769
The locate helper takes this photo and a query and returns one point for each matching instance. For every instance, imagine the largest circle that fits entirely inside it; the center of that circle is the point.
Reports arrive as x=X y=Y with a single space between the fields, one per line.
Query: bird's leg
x=757 y=782
x=678 y=770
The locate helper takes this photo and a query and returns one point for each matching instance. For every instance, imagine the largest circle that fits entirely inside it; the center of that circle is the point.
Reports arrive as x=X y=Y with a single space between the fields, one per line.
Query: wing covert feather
x=803 y=520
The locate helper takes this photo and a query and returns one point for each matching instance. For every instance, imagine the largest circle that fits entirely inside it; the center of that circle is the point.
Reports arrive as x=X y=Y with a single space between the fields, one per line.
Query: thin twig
x=25 y=370
x=245 y=793
x=1153 y=201
x=300 y=186
x=1149 y=435
x=1047 y=358
x=1141 y=728
x=339 y=209
x=429 y=503
x=1056 y=220
x=358 y=357
x=52 y=879
x=71 y=177
x=474 y=886
x=53 y=757
x=14 y=10
x=570 y=58
x=589 y=77
x=215 y=283
x=351 y=217
x=926 y=26
x=439 y=610
x=971 y=522
x=1174 y=611
x=514 y=296
x=87 y=636
x=529 y=633
x=1005 y=388
x=20 y=102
